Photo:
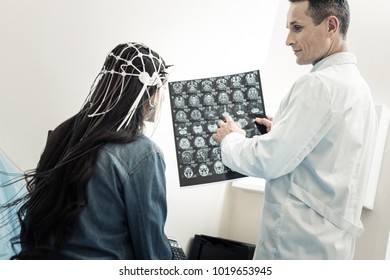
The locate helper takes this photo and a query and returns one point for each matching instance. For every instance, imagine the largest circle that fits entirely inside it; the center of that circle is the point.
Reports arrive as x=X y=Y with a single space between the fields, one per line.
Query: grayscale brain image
x=196 y=106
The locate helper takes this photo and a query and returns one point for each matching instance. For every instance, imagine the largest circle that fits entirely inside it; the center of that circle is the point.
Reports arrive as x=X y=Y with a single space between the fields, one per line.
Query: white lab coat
x=316 y=160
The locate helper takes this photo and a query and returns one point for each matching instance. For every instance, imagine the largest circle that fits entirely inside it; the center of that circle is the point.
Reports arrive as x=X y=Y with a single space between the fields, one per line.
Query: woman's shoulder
x=134 y=151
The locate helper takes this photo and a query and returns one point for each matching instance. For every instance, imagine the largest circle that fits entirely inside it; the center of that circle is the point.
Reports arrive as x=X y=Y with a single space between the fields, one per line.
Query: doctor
x=317 y=152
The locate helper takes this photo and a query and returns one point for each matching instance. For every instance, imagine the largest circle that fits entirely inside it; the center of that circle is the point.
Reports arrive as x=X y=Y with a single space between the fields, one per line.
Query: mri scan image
x=197 y=106
x=179 y=102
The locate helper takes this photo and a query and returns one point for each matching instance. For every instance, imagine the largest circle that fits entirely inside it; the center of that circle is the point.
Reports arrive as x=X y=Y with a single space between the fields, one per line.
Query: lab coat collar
x=335 y=59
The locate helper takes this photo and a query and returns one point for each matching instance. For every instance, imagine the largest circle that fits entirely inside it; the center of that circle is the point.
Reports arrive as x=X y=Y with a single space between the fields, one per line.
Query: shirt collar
x=335 y=59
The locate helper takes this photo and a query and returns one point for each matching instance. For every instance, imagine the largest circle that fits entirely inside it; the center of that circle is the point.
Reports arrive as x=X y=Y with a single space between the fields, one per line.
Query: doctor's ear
x=333 y=25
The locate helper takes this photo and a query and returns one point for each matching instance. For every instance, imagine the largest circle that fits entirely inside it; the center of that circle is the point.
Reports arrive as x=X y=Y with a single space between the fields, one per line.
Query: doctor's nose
x=289 y=40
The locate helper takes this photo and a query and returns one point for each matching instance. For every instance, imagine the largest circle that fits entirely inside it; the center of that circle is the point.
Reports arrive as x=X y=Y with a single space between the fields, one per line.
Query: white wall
x=51 y=50
x=369 y=37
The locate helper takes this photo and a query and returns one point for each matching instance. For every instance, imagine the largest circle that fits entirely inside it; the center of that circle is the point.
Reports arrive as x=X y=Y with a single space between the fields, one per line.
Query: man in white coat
x=318 y=149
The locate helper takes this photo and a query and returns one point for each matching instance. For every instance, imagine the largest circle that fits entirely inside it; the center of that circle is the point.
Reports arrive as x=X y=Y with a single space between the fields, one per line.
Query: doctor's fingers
x=266 y=122
x=229 y=126
x=229 y=119
x=219 y=134
x=221 y=123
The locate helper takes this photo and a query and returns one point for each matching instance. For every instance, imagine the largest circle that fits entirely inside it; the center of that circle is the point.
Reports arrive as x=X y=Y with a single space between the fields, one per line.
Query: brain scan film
x=196 y=106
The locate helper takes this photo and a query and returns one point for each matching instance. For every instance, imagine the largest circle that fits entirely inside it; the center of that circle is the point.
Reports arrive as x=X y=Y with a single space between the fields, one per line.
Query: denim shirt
x=127 y=209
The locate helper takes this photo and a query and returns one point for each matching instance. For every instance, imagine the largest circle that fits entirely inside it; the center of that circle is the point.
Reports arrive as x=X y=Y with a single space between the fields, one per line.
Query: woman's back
x=126 y=207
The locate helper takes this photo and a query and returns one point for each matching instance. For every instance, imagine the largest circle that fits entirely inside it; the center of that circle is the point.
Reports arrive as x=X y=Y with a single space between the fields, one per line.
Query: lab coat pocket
x=325 y=211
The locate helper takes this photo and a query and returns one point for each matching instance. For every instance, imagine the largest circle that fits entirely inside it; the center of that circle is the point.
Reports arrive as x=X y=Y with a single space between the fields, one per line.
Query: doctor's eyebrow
x=292 y=23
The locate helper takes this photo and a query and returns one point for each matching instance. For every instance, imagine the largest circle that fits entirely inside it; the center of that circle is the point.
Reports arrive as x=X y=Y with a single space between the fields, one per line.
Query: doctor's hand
x=267 y=122
x=225 y=128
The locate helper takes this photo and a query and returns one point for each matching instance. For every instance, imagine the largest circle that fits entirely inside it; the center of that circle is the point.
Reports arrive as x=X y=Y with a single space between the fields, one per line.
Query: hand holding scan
x=225 y=128
x=267 y=122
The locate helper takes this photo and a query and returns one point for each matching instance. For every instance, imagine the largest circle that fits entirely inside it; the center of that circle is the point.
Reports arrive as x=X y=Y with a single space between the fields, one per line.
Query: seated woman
x=99 y=189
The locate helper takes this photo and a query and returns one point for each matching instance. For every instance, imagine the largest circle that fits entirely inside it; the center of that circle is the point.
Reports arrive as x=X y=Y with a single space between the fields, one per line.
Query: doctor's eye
x=297 y=28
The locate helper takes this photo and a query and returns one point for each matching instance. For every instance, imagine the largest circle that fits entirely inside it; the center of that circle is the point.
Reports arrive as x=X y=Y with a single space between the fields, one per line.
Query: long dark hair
x=57 y=187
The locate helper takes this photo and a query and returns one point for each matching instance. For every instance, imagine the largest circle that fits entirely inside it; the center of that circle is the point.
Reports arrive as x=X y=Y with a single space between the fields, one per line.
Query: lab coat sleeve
x=304 y=117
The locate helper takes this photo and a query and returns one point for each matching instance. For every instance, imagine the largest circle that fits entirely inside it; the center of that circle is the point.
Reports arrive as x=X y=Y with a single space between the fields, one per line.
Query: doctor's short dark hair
x=321 y=9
